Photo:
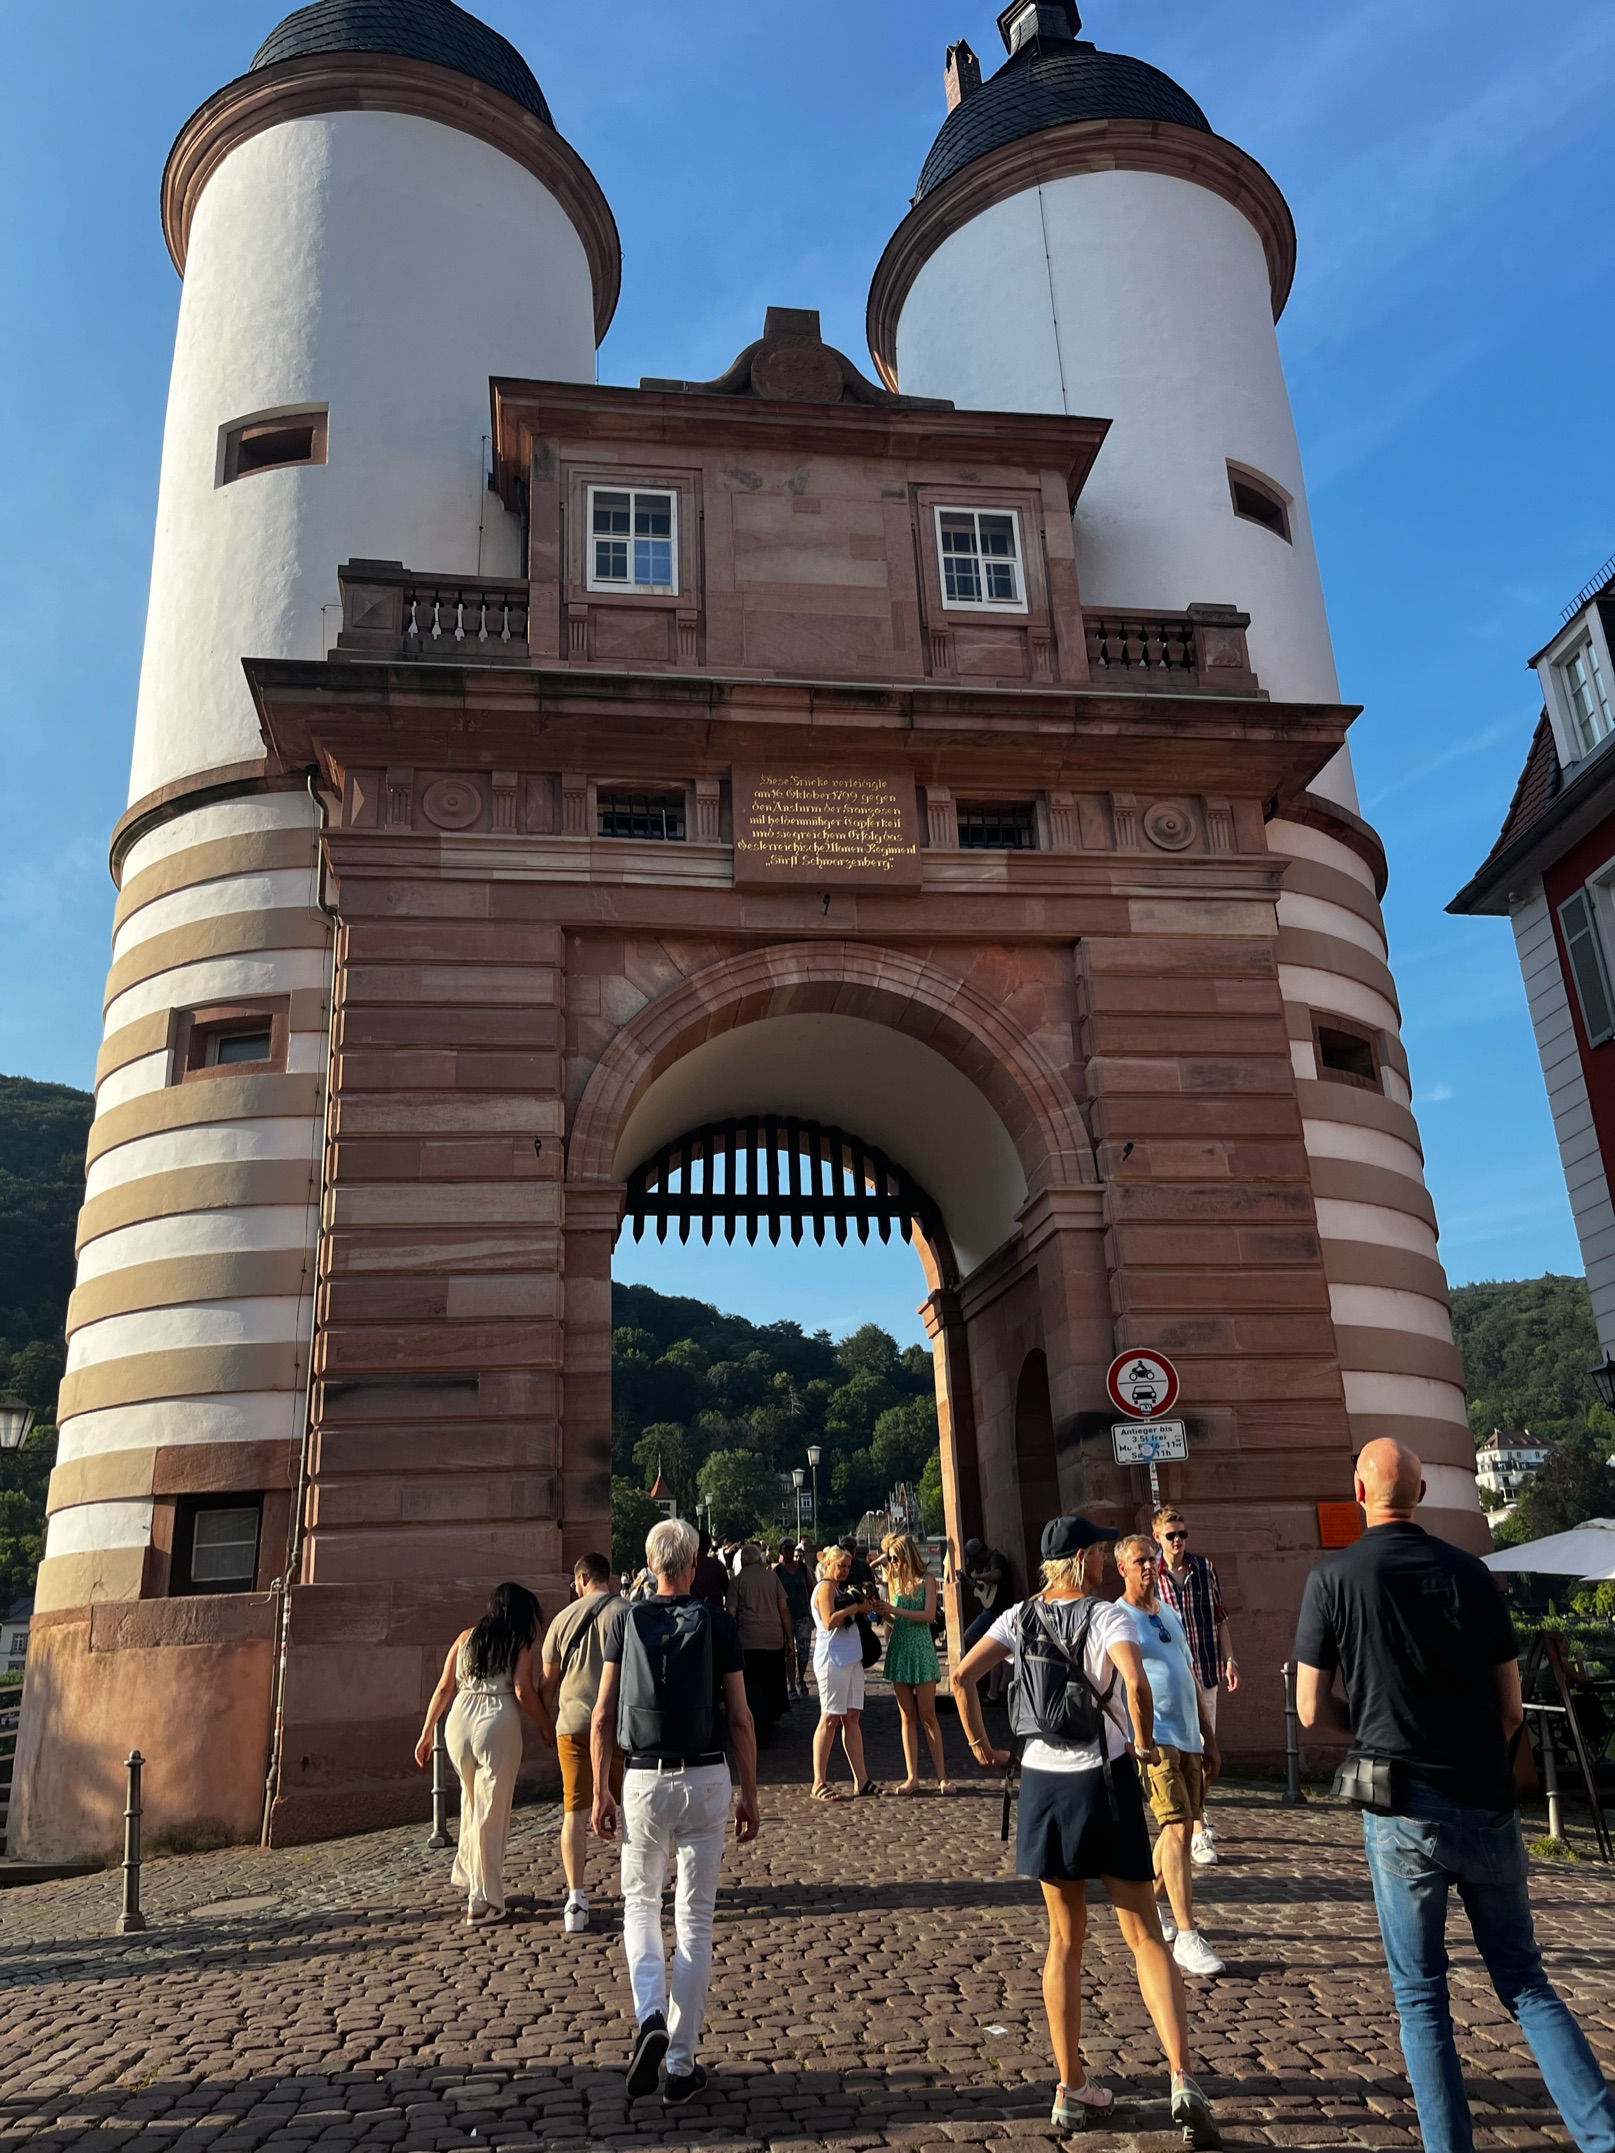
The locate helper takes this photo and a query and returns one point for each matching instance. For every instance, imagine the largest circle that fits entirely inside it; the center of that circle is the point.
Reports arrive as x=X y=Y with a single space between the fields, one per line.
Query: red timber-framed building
x=1551 y=874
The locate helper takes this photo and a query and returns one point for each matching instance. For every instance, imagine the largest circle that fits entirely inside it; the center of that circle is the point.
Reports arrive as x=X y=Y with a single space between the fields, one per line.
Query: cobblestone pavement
x=876 y=1985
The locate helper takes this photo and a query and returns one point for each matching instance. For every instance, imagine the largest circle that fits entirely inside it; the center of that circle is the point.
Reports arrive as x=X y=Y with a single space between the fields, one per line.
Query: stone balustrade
x=1201 y=650
x=390 y=611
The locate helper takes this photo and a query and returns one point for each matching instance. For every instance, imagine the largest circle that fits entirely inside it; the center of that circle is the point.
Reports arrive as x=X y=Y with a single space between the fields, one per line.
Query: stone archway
x=847 y=979
x=926 y=1065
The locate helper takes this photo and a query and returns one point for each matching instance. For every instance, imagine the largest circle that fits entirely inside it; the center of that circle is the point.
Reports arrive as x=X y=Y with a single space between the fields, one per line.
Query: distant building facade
x=1504 y=1463
x=14 y=1637
x=1551 y=873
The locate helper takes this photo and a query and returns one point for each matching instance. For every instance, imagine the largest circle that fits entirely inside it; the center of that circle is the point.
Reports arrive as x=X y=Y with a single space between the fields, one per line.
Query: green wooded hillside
x=42 y=1133
x=1528 y=1345
x=724 y=1406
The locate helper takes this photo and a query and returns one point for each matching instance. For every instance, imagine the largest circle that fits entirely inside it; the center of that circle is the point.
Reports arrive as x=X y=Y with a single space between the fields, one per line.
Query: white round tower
x=374 y=220
x=1082 y=241
x=371 y=223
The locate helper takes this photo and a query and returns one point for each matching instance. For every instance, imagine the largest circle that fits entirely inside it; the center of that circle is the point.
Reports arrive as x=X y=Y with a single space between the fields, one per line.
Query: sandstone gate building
x=923 y=797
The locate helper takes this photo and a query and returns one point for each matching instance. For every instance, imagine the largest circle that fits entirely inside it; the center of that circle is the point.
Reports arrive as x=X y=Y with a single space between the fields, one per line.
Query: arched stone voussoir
x=882 y=986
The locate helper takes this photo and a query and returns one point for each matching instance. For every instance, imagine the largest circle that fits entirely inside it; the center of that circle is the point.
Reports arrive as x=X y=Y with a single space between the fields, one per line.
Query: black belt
x=676 y=1764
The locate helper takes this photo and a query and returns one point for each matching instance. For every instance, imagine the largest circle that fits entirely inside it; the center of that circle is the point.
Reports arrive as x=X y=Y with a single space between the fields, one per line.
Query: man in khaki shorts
x=1187 y=1749
x=572 y=1662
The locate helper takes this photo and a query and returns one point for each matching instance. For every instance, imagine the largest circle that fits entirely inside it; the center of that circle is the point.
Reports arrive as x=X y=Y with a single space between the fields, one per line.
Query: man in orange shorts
x=572 y=1662
x=1187 y=1750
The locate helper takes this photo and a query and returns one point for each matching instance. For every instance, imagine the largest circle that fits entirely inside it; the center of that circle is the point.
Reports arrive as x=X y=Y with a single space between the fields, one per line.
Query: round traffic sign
x=1142 y=1384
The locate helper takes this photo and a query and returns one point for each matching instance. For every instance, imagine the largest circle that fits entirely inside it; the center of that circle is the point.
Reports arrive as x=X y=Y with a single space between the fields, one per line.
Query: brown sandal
x=824 y=1792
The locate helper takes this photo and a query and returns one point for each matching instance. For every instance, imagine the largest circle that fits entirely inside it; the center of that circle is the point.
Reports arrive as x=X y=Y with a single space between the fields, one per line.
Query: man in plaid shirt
x=1190 y=1587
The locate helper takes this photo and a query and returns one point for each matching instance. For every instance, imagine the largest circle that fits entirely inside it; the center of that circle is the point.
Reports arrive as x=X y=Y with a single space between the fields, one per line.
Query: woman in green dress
x=911 y=1661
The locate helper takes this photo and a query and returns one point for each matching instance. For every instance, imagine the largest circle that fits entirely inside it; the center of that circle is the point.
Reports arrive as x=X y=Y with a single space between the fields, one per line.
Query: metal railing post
x=1294 y=1794
x=440 y=1789
x=1550 y=1785
x=132 y=1919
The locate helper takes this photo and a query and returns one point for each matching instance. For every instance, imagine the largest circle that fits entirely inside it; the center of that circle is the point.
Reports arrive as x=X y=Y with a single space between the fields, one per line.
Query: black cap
x=975 y=1547
x=1069 y=1536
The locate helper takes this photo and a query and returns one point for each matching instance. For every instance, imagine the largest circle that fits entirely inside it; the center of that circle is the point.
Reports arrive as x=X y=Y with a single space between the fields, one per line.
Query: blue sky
x=1448 y=348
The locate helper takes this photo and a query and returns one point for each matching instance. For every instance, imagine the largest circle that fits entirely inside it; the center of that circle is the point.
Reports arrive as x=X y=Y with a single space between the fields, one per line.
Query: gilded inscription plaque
x=826 y=828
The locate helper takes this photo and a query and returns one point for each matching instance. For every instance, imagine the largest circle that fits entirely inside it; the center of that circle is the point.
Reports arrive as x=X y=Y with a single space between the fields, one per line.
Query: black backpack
x=666 y=1702
x=1051 y=1698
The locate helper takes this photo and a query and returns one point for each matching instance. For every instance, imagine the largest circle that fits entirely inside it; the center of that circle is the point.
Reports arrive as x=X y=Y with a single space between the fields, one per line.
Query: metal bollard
x=132 y=1919
x=1550 y=1785
x=1294 y=1794
x=440 y=1790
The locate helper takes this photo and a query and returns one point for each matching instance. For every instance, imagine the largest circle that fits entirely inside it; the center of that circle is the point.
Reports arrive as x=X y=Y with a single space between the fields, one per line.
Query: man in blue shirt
x=1188 y=1758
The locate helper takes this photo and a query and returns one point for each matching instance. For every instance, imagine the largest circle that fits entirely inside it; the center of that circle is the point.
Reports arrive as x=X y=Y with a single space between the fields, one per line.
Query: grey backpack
x=666 y=1700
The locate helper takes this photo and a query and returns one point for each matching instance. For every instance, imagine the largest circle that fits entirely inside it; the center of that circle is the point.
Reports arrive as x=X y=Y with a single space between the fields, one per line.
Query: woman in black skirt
x=1079 y=1820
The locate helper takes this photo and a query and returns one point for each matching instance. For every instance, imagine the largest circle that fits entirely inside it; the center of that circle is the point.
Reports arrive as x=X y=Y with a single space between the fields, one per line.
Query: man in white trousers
x=673 y=1672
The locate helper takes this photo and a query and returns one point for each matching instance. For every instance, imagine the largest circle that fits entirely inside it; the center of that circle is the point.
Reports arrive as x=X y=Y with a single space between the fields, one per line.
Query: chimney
x=962 y=76
x=1047 y=22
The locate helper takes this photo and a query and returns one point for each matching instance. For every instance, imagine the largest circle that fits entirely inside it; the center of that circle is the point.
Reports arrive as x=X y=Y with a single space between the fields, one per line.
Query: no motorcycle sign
x=1142 y=1384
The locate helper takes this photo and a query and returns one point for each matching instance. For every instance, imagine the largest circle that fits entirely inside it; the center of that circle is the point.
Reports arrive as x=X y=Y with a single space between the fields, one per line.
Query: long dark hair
x=512 y=1623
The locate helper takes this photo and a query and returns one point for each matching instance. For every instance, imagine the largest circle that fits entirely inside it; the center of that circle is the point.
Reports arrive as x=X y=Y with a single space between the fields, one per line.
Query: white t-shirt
x=1109 y=1624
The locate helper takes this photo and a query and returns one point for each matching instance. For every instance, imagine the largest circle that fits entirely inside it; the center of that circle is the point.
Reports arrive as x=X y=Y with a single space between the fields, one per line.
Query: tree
x=632 y=1516
x=43 y=1128
x=931 y=1493
x=869 y=1351
x=745 y=1493
x=1527 y=1345
x=905 y=1437
x=1575 y=1484
x=665 y=1447
x=24 y=1477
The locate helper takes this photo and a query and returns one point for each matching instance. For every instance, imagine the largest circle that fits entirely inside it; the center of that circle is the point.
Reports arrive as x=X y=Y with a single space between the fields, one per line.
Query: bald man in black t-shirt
x=1425 y=1651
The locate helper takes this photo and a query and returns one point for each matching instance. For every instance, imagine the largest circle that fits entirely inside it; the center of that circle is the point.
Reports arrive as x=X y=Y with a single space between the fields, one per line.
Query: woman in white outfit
x=838 y=1668
x=489 y=1676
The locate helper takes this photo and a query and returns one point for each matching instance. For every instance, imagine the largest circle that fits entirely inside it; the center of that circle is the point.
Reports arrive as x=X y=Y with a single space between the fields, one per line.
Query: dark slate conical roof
x=1046 y=82
x=434 y=30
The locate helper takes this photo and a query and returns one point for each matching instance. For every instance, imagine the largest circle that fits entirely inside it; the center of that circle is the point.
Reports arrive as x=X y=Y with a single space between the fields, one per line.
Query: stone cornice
x=1061 y=153
x=459 y=718
x=528 y=410
x=226 y=781
x=1328 y=816
x=385 y=82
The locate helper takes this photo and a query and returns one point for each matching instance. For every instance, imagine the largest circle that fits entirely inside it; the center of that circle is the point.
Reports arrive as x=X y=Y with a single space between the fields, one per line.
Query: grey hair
x=671 y=1547
x=1138 y=1544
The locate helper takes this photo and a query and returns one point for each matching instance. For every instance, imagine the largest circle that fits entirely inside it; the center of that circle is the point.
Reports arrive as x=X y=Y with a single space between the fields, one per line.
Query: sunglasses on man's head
x=1174 y=1536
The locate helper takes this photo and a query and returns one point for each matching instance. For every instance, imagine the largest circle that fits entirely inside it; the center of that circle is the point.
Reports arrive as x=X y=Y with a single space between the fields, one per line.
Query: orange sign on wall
x=1339 y=1524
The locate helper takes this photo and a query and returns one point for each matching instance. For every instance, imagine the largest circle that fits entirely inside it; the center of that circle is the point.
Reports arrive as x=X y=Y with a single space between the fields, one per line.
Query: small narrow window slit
x=274 y=442
x=1260 y=500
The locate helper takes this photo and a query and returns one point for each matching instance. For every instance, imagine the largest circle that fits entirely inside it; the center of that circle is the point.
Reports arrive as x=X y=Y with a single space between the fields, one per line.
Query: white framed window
x=980 y=552
x=1586 y=695
x=1589 y=964
x=633 y=539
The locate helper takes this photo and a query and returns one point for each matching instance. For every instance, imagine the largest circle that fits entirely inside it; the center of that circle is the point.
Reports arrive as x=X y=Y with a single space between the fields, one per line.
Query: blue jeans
x=1415 y=1859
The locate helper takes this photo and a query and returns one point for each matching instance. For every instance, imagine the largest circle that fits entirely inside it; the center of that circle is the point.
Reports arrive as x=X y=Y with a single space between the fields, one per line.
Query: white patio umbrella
x=1586 y=1552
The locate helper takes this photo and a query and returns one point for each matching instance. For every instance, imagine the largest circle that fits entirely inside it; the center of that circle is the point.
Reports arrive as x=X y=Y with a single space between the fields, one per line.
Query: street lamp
x=1604 y=1380
x=797 y=1478
x=813 y=1457
x=15 y=1421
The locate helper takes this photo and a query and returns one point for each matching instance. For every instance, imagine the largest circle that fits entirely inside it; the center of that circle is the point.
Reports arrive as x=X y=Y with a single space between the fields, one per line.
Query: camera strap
x=1010 y=1770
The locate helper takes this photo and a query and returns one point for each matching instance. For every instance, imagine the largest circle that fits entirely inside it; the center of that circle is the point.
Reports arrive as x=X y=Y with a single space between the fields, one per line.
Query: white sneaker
x=576 y=1917
x=1202 y=1853
x=1169 y=1921
x=1194 y=1954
